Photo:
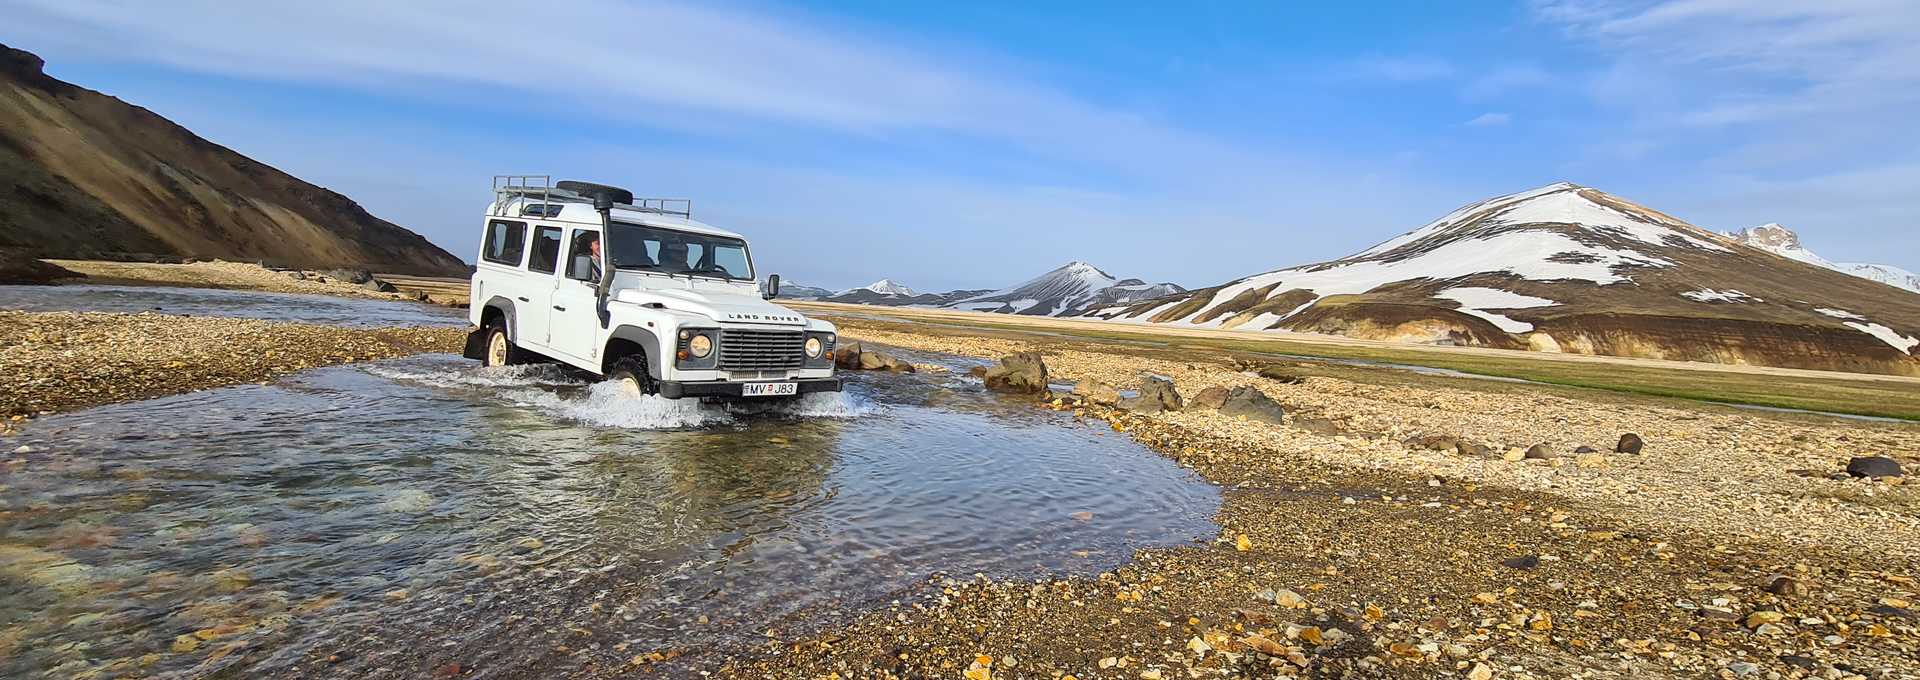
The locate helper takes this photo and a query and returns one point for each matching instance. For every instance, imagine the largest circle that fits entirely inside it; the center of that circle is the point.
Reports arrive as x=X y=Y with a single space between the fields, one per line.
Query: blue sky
x=952 y=145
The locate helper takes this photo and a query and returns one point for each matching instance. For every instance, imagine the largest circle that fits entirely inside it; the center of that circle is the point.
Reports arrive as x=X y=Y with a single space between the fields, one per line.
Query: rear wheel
x=499 y=350
x=630 y=372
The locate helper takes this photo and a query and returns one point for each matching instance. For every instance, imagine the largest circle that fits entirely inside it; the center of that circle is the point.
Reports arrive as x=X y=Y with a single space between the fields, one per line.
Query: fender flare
x=646 y=340
x=506 y=310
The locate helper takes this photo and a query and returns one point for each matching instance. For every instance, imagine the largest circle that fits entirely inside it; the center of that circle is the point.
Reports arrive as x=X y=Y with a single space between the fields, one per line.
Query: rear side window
x=506 y=242
x=546 y=250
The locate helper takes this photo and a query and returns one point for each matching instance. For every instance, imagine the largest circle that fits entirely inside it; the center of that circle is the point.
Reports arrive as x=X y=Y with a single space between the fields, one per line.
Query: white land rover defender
x=639 y=292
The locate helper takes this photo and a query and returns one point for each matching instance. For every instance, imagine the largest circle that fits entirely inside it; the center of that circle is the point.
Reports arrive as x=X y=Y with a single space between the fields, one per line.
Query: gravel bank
x=244 y=276
x=1723 y=550
x=55 y=361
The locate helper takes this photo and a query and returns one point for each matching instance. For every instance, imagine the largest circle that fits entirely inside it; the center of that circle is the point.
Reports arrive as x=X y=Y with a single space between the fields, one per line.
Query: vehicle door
x=502 y=255
x=574 y=327
x=542 y=277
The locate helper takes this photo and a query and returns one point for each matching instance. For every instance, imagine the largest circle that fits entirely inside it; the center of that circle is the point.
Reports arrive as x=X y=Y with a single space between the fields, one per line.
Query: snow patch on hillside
x=1710 y=295
x=1885 y=334
x=1475 y=301
x=1840 y=314
x=1569 y=207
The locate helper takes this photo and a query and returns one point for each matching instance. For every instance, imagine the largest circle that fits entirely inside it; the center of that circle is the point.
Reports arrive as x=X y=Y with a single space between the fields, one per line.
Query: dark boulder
x=1467 y=448
x=1585 y=449
x=1874 y=467
x=1209 y=399
x=378 y=286
x=853 y=356
x=1096 y=392
x=1023 y=373
x=1541 y=452
x=1629 y=443
x=1522 y=562
x=1252 y=404
x=1156 y=395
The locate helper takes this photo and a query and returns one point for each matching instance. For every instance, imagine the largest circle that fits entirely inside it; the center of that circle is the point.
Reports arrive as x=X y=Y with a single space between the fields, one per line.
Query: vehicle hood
x=721 y=307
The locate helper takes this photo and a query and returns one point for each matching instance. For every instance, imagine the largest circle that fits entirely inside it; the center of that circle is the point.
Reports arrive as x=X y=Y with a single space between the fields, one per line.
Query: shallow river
x=326 y=309
x=390 y=519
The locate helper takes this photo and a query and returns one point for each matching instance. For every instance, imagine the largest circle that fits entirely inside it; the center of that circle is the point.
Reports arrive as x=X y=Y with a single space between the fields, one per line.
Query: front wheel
x=630 y=372
x=499 y=349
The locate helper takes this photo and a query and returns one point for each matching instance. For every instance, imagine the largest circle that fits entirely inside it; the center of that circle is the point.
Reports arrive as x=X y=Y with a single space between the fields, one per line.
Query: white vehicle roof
x=584 y=214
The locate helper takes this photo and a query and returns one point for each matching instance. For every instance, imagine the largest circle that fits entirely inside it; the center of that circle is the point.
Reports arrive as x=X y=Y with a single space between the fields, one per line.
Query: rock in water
x=1210 y=398
x=1023 y=373
x=1156 y=395
x=1874 y=467
x=853 y=356
x=1096 y=392
x=1252 y=404
x=1629 y=443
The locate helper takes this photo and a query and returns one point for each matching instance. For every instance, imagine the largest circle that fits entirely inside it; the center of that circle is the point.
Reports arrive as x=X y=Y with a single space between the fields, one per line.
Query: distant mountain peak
x=1770 y=234
x=1779 y=240
x=885 y=287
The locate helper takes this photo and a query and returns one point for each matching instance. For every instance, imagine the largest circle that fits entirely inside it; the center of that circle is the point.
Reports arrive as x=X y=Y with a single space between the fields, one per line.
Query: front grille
x=753 y=350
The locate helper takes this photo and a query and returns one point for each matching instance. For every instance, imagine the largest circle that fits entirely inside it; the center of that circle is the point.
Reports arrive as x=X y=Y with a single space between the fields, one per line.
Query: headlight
x=812 y=347
x=701 y=346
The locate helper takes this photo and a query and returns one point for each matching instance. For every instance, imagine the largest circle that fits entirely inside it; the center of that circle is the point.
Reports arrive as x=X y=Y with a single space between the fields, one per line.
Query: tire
x=499 y=349
x=631 y=372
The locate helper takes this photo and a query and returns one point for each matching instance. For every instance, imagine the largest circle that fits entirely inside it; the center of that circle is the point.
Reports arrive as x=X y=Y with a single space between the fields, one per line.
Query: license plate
x=769 y=389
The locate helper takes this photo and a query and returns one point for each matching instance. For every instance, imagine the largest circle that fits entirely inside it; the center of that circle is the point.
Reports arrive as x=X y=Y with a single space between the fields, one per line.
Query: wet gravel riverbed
x=403 y=517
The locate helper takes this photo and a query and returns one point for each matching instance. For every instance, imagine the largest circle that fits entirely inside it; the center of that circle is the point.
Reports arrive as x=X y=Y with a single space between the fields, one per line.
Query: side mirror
x=773 y=287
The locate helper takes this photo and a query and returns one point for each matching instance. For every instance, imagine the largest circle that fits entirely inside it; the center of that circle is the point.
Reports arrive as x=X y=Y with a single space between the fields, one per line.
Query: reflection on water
x=389 y=519
x=327 y=309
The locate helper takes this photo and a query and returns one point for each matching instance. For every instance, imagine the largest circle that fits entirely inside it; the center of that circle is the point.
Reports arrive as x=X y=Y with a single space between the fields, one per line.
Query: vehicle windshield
x=667 y=251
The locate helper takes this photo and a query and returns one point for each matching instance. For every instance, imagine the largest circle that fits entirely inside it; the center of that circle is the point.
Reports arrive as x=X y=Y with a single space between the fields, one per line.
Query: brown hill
x=1566 y=268
x=85 y=175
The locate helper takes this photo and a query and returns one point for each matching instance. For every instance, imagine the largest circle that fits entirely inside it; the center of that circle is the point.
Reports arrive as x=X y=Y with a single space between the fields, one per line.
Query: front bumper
x=673 y=389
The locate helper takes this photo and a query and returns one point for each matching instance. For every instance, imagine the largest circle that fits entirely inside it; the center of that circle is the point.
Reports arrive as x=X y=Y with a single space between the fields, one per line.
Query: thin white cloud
x=1490 y=119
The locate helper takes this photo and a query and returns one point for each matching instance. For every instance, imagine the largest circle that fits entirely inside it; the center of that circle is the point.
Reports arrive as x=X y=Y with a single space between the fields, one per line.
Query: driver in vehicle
x=673 y=257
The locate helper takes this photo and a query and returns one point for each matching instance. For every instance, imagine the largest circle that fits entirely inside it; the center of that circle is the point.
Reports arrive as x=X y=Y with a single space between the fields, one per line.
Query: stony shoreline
x=245 y=276
x=1726 y=549
x=58 y=361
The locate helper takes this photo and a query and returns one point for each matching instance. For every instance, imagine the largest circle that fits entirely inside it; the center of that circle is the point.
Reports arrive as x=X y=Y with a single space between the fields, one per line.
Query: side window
x=546 y=250
x=580 y=264
x=506 y=242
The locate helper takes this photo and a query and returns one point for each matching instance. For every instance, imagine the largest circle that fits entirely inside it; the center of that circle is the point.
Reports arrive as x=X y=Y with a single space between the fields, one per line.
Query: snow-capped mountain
x=1779 y=240
x=1070 y=290
x=1567 y=268
x=883 y=287
x=1066 y=291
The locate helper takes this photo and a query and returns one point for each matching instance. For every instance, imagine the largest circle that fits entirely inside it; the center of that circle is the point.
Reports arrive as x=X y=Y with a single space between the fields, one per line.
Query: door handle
x=525 y=300
x=559 y=308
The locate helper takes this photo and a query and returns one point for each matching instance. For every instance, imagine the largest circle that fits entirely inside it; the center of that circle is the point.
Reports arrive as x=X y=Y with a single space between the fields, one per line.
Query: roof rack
x=541 y=187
